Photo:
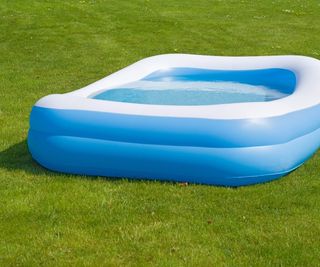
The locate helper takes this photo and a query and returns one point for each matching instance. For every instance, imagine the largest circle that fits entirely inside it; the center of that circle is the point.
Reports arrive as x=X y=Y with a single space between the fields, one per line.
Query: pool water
x=189 y=86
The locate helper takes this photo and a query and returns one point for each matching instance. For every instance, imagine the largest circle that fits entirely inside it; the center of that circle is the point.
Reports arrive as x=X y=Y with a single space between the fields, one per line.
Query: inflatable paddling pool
x=203 y=119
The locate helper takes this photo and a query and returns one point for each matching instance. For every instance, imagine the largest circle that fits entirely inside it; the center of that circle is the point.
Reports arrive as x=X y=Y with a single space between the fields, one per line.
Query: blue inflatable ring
x=228 y=143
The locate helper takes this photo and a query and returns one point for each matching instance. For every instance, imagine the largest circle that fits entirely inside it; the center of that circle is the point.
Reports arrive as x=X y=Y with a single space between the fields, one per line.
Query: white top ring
x=306 y=94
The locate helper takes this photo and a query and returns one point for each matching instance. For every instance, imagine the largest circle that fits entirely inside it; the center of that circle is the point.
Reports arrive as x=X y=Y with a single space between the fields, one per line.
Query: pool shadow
x=17 y=157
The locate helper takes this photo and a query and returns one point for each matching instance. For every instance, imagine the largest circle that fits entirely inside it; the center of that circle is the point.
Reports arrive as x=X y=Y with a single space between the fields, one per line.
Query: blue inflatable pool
x=214 y=120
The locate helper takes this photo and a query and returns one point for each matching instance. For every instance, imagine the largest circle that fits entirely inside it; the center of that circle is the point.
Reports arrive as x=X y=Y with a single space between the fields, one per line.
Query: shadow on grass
x=17 y=157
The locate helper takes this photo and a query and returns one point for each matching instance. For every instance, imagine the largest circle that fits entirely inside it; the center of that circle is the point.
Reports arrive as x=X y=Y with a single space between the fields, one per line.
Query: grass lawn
x=48 y=218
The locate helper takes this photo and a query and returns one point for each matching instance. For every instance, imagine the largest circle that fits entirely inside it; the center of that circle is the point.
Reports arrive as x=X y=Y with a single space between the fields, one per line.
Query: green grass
x=54 y=219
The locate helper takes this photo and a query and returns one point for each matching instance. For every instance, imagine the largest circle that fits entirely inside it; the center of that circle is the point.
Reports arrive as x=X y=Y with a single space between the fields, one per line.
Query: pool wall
x=221 y=152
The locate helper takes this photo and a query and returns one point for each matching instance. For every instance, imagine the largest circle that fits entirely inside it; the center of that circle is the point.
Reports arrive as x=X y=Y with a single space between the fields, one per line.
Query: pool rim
x=305 y=95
